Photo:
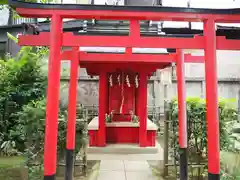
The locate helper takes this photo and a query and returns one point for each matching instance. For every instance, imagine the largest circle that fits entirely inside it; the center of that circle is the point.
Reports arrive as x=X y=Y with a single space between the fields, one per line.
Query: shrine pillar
x=103 y=96
x=182 y=115
x=212 y=100
x=52 y=107
x=137 y=101
x=72 y=108
x=142 y=108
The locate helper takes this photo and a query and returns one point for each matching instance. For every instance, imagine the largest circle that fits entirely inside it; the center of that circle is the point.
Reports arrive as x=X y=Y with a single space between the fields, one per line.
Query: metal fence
x=16 y=21
x=197 y=164
x=154 y=112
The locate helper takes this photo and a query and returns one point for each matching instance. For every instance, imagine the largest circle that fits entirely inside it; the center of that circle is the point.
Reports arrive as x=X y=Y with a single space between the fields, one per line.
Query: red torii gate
x=56 y=39
x=80 y=58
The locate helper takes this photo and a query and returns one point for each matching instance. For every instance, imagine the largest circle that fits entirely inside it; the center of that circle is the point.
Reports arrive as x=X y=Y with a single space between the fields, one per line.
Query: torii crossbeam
x=72 y=40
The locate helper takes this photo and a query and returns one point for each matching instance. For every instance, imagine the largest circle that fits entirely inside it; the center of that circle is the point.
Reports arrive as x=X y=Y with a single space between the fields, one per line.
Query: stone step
x=123 y=149
x=132 y=157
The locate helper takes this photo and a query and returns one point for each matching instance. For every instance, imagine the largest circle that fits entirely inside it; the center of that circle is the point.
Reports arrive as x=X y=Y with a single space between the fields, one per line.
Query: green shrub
x=197 y=127
x=230 y=163
x=31 y=126
x=21 y=81
x=196 y=118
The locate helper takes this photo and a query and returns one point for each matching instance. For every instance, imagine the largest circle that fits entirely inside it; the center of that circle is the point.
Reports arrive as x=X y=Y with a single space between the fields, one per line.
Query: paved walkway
x=125 y=152
x=125 y=170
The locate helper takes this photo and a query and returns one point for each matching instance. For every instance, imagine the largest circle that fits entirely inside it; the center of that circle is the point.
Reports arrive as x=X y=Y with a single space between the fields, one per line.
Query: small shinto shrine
x=123 y=105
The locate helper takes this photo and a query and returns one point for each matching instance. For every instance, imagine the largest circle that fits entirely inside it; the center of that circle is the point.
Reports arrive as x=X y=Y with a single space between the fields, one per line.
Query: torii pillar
x=72 y=108
x=182 y=115
x=212 y=100
x=52 y=108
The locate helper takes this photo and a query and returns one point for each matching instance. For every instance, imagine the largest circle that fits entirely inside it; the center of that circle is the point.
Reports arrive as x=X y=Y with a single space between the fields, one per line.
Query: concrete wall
x=88 y=90
x=228 y=65
x=4 y=14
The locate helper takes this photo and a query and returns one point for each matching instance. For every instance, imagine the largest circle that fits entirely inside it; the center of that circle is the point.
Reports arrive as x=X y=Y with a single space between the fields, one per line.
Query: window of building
x=83 y=1
x=2 y=49
x=141 y=2
x=74 y=1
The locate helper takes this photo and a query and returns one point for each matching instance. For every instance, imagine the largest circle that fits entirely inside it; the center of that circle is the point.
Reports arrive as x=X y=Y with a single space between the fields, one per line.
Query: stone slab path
x=125 y=152
x=125 y=170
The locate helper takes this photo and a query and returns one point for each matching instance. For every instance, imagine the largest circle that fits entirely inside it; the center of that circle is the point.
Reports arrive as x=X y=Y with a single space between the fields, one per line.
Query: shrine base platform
x=121 y=133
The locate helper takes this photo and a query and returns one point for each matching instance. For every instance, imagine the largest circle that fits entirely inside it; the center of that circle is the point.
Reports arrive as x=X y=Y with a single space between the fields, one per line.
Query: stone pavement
x=125 y=152
x=125 y=170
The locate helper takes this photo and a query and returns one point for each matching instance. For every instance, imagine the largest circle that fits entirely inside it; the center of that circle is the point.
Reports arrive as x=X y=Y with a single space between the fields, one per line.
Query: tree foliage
x=21 y=81
x=23 y=84
x=4 y=2
x=197 y=129
x=31 y=126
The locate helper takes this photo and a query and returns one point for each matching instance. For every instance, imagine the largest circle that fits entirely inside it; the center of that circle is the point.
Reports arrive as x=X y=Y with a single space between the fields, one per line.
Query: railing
x=16 y=21
x=154 y=112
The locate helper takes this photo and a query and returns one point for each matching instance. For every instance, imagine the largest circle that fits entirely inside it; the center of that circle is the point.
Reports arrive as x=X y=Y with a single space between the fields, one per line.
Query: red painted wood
x=121 y=117
x=113 y=68
x=51 y=127
x=117 y=41
x=103 y=83
x=188 y=58
x=129 y=99
x=107 y=91
x=126 y=41
x=212 y=98
x=128 y=15
x=151 y=138
x=116 y=98
x=71 y=123
x=93 y=140
x=134 y=29
x=130 y=58
x=138 y=101
x=122 y=135
x=182 y=111
x=143 y=79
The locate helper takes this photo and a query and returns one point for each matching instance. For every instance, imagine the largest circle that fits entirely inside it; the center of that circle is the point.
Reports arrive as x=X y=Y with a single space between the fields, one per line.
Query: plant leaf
x=3 y=2
x=10 y=36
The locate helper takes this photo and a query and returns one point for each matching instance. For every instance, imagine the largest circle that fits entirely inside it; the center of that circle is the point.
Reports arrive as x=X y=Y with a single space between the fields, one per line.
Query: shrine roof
x=22 y=4
x=113 y=67
x=88 y=11
x=228 y=32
